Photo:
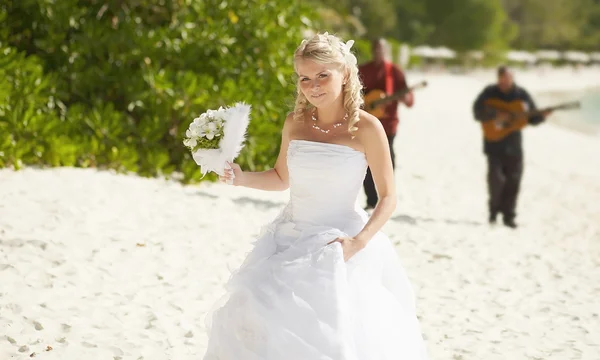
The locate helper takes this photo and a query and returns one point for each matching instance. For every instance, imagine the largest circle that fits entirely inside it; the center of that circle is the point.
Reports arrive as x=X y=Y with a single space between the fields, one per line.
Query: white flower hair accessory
x=348 y=45
x=348 y=55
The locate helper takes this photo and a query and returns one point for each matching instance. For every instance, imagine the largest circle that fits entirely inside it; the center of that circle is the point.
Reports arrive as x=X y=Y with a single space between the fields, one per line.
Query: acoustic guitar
x=376 y=100
x=511 y=116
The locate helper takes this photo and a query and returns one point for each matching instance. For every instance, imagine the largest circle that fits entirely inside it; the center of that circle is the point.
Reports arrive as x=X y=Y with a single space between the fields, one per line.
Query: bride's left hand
x=350 y=246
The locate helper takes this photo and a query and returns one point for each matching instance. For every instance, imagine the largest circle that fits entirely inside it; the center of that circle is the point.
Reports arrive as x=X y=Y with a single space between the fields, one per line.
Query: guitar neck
x=549 y=108
x=534 y=112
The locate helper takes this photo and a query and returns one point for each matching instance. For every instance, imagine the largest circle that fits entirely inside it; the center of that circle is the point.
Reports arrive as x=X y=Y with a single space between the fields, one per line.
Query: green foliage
x=363 y=18
x=204 y=143
x=489 y=25
x=115 y=84
x=413 y=24
x=28 y=121
x=362 y=50
x=378 y=16
x=544 y=23
x=590 y=32
x=464 y=25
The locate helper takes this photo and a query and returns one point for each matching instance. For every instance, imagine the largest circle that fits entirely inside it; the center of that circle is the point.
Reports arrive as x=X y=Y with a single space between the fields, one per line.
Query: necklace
x=326 y=131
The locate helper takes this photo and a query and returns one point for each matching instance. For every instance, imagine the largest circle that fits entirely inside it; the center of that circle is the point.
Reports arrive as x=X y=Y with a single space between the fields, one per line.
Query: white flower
x=193 y=131
x=204 y=132
x=209 y=135
x=220 y=114
x=348 y=55
x=351 y=59
x=228 y=125
x=348 y=45
x=190 y=143
x=200 y=121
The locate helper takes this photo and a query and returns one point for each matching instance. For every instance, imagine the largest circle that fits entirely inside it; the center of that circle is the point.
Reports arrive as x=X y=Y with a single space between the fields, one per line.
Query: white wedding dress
x=294 y=297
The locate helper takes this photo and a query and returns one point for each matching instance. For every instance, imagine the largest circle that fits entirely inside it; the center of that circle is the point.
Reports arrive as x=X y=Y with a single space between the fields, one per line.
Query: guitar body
x=370 y=103
x=499 y=128
x=376 y=100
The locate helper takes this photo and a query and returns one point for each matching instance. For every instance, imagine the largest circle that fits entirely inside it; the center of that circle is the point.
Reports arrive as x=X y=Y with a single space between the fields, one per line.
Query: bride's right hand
x=235 y=173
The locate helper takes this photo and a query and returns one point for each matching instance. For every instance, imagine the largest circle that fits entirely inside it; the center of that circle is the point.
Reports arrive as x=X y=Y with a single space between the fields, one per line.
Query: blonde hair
x=329 y=49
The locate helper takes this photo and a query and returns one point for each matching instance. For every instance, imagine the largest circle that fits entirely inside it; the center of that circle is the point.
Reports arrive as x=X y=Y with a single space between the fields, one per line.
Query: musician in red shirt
x=383 y=75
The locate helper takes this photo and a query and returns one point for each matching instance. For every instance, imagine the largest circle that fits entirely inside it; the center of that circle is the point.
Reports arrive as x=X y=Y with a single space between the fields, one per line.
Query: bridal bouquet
x=217 y=136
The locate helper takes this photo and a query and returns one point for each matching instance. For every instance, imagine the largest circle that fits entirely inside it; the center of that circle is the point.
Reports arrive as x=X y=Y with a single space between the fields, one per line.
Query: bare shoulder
x=367 y=121
x=289 y=124
x=369 y=127
x=289 y=117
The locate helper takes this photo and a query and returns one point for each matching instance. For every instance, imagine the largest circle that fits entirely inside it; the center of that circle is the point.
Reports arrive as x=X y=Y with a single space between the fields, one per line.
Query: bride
x=322 y=282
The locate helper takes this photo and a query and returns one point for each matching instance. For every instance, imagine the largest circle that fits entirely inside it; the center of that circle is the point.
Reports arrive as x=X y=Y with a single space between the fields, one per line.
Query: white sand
x=105 y=266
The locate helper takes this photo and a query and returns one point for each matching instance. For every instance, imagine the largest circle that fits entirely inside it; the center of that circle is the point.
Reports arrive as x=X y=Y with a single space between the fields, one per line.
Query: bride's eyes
x=321 y=76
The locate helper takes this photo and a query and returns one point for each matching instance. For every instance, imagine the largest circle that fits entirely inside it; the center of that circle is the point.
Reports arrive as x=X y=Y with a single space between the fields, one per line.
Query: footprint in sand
x=6 y=266
x=37 y=243
x=16 y=309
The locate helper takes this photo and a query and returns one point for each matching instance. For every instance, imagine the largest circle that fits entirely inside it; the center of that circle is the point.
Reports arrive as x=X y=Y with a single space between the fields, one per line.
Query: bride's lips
x=317 y=96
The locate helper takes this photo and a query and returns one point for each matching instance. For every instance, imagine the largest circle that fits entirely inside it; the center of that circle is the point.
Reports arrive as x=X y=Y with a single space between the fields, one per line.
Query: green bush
x=115 y=84
x=29 y=118
x=362 y=50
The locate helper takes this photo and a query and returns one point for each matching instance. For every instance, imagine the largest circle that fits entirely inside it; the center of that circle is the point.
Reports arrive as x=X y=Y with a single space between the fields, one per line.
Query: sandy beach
x=98 y=265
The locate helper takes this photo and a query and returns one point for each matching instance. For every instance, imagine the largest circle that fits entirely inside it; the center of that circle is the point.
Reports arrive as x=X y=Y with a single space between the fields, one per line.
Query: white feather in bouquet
x=217 y=137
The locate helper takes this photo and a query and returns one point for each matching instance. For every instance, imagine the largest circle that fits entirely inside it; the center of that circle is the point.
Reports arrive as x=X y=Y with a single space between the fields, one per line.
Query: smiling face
x=328 y=79
x=320 y=83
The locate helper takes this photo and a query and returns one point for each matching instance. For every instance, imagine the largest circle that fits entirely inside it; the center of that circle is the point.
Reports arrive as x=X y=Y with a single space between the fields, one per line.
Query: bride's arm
x=275 y=179
x=374 y=140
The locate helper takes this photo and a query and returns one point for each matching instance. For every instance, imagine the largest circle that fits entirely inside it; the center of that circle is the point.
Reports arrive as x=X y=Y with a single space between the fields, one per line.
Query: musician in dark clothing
x=504 y=157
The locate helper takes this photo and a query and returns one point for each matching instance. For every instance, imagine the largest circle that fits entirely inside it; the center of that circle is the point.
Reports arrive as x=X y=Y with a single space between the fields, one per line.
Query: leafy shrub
x=115 y=84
